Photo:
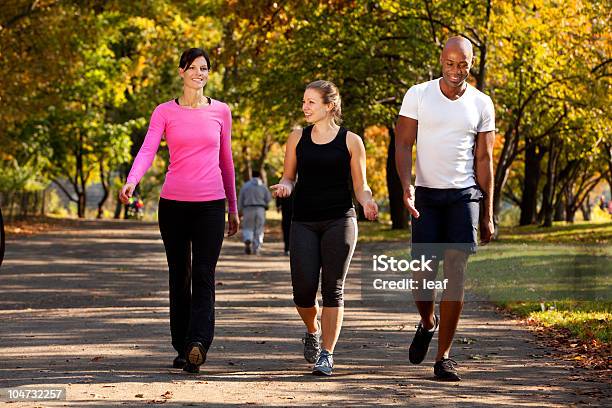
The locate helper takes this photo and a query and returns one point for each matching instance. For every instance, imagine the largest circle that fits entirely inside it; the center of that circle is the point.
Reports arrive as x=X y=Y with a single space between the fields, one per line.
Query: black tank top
x=322 y=191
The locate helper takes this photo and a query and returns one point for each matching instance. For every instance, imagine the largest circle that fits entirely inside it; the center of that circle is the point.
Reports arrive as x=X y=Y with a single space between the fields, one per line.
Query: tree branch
x=61 y=187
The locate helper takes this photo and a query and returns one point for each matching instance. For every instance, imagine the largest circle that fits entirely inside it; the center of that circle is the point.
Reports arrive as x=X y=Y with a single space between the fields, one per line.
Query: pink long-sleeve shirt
x=199 y=141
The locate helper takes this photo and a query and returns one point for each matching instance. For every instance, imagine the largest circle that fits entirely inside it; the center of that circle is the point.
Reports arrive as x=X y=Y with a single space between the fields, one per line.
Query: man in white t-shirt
x=453 y=126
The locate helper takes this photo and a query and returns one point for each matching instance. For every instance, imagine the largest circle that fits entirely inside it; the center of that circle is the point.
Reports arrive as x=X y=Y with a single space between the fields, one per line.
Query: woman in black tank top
x=322 y=191
x=323 y=157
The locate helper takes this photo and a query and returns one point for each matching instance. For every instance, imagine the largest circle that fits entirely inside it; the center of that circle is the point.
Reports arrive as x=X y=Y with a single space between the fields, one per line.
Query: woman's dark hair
x=188 y=56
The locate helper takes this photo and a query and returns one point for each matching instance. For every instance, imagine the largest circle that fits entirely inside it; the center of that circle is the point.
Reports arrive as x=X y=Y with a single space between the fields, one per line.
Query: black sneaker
x=420 y=342
x=312 y=346
x=444 y=370
x=191 y=368
x=196 y=356
x=179 y=362
x=247 y=247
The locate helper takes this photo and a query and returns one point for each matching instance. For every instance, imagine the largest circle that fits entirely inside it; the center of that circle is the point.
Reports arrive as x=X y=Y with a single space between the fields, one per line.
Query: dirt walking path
x=86 y=308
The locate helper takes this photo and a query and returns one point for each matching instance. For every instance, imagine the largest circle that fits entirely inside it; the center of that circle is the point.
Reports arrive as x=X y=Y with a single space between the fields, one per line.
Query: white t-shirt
x=446 y=133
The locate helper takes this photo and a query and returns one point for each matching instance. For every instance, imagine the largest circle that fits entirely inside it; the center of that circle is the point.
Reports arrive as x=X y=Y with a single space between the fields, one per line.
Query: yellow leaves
x=142 y=23
x=376 y=140
x=392 y=6
x=139 y=65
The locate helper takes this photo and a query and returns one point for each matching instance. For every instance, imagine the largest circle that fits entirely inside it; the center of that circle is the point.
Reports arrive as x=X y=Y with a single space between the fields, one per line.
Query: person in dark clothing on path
x=252 y=205
x=285 y=206
x=453 y=126
x=323 y=157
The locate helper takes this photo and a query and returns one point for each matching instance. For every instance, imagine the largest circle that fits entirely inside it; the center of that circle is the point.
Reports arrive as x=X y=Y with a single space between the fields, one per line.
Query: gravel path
x=86 y=308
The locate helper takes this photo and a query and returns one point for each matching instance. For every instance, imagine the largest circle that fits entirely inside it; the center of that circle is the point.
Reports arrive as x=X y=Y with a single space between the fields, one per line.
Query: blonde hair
x=330 y=94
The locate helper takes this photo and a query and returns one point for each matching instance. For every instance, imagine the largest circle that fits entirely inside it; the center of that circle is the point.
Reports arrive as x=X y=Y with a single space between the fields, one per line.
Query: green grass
x=565 y=270
x=558 y=286
x=381 y=231
x=560 y=232
x=535 y=272
x=586 y=320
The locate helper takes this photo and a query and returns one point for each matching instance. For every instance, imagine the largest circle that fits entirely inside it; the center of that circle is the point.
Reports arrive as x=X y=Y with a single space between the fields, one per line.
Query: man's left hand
x=487 y=229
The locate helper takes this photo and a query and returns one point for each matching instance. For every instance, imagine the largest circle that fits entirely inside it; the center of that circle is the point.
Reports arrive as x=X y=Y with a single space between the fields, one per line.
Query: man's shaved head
x=456 y=60
x=459 y=44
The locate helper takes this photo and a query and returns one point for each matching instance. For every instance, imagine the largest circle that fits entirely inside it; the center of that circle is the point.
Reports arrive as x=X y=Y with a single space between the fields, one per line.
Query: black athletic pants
x=192 y=233
x=321 y=249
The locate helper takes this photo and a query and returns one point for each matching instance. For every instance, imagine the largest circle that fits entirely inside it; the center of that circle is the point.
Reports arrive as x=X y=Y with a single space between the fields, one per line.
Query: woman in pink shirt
x=191 y=215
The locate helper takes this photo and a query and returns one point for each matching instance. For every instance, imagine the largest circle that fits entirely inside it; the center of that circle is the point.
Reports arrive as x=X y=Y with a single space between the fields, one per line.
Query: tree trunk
x=80 y=181
x=2 y=240
x=81 y=205
x=36 y=203
x=529 y=199
x=548 y=201
x=559 y=214
x=263 y=154
x=25 y=199
x=570 y=210
x=43 y=203
x=570 y=216
x=118 y=207
x=11 y=207
x=586 y=208
x=548 y=198
x=502 y=171
x=105 y=181
x=123 y=172
x=399 y=214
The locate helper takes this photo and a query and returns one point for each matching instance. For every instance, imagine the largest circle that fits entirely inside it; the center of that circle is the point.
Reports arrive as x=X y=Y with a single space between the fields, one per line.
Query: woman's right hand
x=282 y=189
x=126 y=192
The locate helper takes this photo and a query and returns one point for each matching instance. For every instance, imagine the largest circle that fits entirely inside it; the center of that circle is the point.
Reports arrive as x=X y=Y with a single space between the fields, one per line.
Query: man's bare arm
x=484 y=178
x=405 y=138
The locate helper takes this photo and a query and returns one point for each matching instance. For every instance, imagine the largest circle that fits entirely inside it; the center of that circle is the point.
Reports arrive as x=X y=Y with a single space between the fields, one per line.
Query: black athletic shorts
x=448 y=220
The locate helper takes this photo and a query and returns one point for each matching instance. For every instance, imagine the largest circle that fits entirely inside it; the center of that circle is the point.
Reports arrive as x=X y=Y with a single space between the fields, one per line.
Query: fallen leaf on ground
x=157 y=401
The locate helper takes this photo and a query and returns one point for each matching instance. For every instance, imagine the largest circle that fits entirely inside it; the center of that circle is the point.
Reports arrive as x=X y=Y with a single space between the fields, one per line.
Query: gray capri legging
x=321 y=248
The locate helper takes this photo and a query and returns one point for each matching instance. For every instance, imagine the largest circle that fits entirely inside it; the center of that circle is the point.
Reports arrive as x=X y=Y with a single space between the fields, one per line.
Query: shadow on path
x=87 y=309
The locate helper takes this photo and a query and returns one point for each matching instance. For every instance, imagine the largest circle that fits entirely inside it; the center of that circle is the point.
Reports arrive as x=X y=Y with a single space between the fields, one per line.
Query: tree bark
x=559 y=209
x=2 y=240
x=123 y=171
x=529 y=199
x=43 y=204
x=586 y=208
x=549 y=188
x=105 y=181
x=502 y=171
x=399 y=214
x=570 y=210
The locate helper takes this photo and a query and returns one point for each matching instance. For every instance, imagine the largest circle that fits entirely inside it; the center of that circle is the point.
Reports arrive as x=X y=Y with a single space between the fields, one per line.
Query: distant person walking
x=199 y=179
x=285 y=205
x=323 y=157
x=253 y=202
x=453 y=126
